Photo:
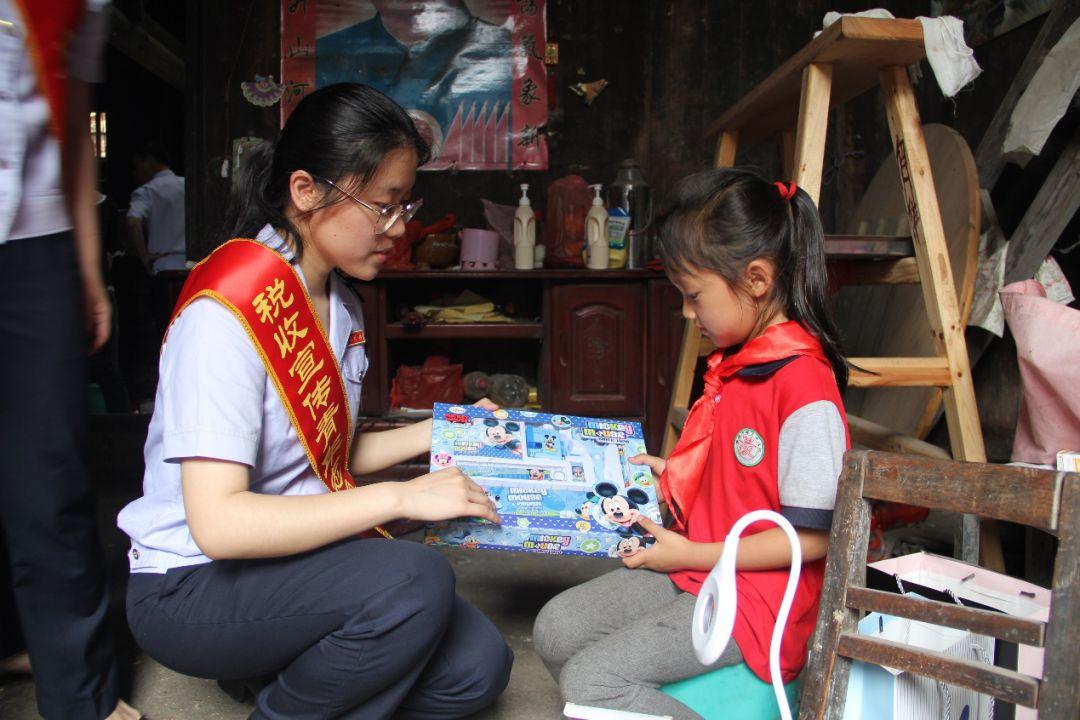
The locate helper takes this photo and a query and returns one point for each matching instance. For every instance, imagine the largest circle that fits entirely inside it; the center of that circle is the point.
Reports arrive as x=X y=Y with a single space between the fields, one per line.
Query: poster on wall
x=470 y=73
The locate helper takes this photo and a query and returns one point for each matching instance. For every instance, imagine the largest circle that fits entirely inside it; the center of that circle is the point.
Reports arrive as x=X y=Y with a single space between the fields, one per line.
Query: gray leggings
x=613 y=641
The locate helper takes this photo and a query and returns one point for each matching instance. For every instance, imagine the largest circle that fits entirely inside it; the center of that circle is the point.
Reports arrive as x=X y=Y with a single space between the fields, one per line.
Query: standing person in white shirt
x=158 y=206
x=53 y=308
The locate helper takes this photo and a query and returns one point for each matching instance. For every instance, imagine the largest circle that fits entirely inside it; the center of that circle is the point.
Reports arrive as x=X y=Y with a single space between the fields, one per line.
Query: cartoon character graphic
x=632 y=545
x=499 y=440
x=613 y=510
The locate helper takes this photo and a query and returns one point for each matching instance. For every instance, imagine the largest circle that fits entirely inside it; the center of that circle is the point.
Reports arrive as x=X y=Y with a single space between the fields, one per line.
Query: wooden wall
x=672 y=68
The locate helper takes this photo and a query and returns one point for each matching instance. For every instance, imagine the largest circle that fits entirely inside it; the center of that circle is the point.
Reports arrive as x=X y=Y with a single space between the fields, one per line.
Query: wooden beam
x=1050 y=212
x=725 y=149
x=1006 y=685
x=988 y=157
x=148 y=45
x=900 y=372
x=980 y=622
x=939 y=290
x=878 y=437
x=812 y=128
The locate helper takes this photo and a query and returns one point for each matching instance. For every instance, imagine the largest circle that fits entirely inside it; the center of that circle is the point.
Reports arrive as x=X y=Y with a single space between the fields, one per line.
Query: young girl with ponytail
x=768 y=433
x=252 y=551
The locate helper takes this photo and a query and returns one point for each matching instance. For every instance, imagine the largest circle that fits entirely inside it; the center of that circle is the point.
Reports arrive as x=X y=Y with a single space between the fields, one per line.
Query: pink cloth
x=1047 y=347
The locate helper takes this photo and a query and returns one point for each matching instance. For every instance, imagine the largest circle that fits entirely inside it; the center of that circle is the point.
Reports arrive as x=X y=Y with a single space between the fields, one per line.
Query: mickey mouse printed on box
x=561 y=484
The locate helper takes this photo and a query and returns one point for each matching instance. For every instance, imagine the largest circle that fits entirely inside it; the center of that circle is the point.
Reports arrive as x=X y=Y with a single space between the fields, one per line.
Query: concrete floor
x=509 y=587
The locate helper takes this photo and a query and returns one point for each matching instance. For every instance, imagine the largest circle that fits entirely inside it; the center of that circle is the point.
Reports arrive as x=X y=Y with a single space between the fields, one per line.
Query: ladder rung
x=904 y=271
x=678 y=417
x=900 y=372
x=868 y=247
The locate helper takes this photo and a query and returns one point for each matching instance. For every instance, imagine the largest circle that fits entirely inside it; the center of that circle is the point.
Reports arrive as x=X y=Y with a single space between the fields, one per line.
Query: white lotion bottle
x=524 y=232
x=597 y=249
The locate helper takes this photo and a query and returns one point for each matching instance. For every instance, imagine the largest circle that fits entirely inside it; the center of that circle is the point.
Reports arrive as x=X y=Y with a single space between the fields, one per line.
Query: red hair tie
x=786 y=191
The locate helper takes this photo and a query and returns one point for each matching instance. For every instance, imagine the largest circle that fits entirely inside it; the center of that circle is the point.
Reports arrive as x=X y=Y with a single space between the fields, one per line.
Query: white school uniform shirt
x=215 y=400
x=159 y=204
x=31 y=196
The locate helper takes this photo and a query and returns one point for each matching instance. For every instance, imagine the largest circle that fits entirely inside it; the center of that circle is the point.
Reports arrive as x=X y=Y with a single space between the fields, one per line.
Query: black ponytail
x=341 y=132
x=721 y=220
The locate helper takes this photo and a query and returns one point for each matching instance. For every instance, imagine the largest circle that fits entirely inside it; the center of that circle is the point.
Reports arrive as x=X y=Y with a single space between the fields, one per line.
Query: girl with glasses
x=252 y=552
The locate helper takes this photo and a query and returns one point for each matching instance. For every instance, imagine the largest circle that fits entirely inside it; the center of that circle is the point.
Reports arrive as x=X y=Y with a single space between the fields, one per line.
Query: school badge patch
x=749 y=447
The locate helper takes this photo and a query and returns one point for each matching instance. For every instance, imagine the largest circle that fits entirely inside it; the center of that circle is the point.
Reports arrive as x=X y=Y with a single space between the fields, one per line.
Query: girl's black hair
x=721 y=220
x=339 y=132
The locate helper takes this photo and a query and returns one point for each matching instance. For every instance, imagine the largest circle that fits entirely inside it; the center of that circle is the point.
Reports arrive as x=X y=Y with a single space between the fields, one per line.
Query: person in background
x=156 y=215
x=53 y=308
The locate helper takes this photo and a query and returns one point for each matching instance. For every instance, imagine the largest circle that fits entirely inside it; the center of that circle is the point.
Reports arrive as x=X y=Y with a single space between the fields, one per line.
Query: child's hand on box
x=669 y=552
x=657 y=465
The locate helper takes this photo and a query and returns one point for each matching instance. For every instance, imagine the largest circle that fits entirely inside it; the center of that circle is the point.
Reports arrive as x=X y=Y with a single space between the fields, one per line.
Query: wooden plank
x=899 y=372
x=684 y=380
x=825 y=679
x=787 y=155
x=1045 y=220
x=878 y=437
x=1006 y=685
x=149 y=46
x=980 y=622
x=812 y=128
x=988 y=156
x=725 y=149
x=868 y=247
x=931 y=251
x=891 y=272
x=1061 y=674
x=888 y=321
x=1016 y=494
x=857 y=48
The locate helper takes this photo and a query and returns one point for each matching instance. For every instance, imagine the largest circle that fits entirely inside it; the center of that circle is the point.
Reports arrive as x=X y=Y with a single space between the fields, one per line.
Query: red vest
x=741 y=475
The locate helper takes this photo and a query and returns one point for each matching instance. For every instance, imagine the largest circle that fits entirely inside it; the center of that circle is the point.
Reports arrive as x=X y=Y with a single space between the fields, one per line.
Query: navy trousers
x=47 y=508
x=359 y=629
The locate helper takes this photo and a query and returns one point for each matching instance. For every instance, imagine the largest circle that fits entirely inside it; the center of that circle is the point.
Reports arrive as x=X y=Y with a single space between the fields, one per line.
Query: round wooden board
x=891 y=320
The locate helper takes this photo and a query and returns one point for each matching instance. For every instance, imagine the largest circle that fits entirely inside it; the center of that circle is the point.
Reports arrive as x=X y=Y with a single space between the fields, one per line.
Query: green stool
x=732 y=692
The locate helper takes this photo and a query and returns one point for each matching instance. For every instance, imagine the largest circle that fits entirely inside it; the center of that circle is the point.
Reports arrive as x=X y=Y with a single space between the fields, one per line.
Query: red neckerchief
x=686 y=463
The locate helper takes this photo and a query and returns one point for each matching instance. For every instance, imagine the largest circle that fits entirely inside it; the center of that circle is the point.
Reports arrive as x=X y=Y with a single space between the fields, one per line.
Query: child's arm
x=764 y=551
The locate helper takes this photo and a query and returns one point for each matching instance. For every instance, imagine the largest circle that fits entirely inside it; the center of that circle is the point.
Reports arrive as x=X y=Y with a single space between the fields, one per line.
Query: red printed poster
x=470 y=73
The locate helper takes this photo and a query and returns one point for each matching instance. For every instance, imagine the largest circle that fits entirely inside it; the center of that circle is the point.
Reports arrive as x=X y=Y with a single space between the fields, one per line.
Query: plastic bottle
x=524 y=232
x=596 y=236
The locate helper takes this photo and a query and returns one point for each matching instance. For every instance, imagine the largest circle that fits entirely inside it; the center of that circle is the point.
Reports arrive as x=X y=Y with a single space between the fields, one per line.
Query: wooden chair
x=1037 y=498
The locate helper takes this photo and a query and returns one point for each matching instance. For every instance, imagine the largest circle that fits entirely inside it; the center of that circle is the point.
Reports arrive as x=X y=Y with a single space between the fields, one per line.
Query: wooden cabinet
x=594 y=343
x=595 y=348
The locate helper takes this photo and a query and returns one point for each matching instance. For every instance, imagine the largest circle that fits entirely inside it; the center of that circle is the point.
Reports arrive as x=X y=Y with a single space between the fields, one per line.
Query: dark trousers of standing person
x=359 y=629
x=47 y=507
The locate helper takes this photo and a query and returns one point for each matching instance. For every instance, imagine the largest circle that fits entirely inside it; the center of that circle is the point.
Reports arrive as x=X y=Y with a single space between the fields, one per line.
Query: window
x=98 y=131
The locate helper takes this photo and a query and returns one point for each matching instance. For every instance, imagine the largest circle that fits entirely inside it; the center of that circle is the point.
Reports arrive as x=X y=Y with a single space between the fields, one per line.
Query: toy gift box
x=561 y=484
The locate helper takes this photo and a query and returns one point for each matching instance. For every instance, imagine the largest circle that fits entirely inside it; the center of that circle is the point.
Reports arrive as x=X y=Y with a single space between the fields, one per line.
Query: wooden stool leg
x=725 y=149
x=684 y=381
x=813 y=125
x=939 y=294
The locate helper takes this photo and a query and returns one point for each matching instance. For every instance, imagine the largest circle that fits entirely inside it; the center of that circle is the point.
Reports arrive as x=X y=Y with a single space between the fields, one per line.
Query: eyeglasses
x=386 y=215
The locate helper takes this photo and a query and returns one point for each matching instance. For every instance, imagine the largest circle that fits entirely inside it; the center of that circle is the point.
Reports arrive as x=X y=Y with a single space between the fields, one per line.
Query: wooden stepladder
x=848 y=58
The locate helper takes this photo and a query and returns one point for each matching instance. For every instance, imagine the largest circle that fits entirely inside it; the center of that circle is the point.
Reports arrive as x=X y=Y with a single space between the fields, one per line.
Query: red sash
x=263 y=292
x=49 y=29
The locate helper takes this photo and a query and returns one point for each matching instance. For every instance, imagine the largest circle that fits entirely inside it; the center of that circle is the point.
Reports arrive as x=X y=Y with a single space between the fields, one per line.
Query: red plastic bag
x=568 y=202
x=421 y=387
